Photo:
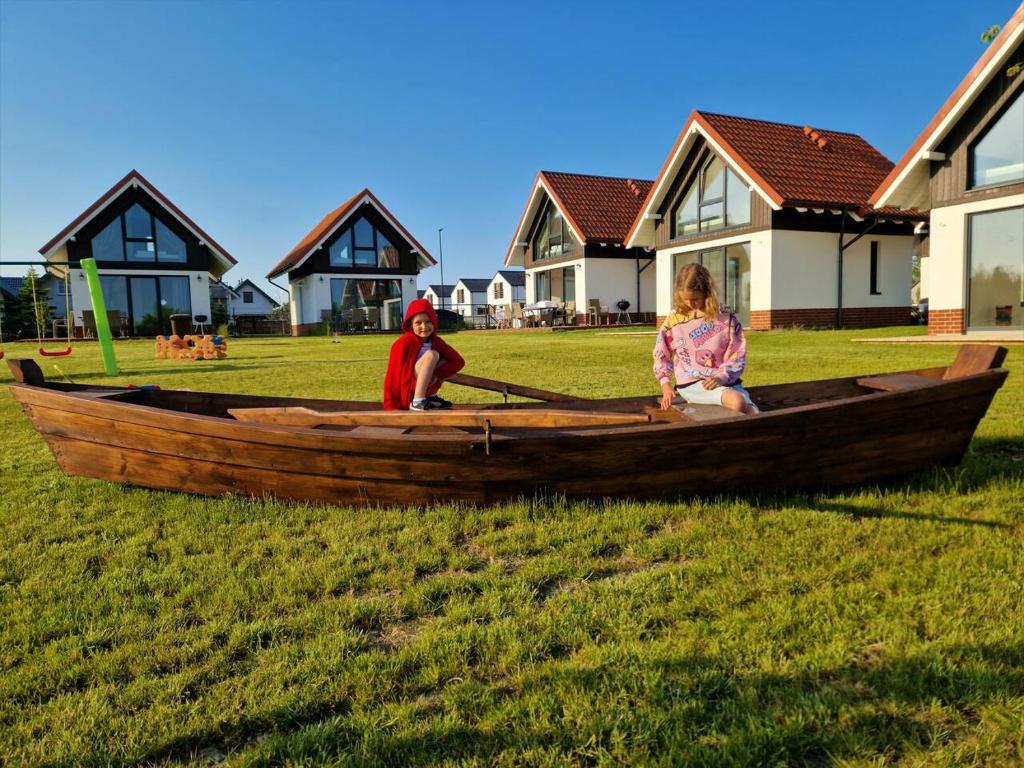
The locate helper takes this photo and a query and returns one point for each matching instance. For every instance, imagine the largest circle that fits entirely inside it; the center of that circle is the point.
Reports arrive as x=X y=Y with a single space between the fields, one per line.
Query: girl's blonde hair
x=697 y=278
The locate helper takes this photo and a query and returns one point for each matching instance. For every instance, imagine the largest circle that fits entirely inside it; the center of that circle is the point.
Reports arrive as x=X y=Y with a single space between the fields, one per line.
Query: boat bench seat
x=694 y=412
x=897 y=382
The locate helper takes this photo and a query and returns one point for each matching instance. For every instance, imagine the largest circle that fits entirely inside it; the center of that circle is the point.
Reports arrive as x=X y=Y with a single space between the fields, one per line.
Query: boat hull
x=869 y=437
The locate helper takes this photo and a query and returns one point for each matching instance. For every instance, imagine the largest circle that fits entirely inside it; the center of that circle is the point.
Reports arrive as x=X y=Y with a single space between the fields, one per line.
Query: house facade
x=967 y=169
x=469 y=299
x=357 y=269
x=570 y=242
x=153 y=260
x=779 y=214
x=440 y=296
x=248 y=299
x=506 y=287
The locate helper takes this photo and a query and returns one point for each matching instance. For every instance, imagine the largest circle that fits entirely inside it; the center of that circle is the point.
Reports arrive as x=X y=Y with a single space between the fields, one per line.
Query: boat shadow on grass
x=698 y=709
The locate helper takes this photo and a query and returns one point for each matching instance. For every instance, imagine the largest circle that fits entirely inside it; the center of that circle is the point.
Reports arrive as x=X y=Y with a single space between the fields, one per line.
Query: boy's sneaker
x=439 y=402
x=425 y=405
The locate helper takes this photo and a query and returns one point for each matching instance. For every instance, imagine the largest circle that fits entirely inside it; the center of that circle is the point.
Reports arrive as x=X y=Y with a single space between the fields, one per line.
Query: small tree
x=32 y=312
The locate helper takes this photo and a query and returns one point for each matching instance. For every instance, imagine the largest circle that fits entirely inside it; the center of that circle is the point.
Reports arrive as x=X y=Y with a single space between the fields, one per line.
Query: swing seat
x=56 y=352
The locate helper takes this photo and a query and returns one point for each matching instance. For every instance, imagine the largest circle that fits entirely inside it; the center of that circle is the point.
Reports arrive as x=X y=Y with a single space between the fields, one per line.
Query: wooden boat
x=809 y=434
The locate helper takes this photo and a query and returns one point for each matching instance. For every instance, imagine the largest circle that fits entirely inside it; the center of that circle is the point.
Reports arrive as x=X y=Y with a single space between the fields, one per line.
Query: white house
x=247 y=298
x=967 y=169
x=469 y=299
x=570 y=241
x=440 y=296
x=356 y=269
x=153 y=260
x=507 y=286
x=780 y=215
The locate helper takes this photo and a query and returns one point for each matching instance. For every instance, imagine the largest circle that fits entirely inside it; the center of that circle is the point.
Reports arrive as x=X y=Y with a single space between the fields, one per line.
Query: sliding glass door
x=996 y=241
x=147 y=301
x=730 y=266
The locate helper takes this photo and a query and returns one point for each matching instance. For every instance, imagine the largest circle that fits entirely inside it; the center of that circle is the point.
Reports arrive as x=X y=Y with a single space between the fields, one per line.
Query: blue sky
x=257 y=118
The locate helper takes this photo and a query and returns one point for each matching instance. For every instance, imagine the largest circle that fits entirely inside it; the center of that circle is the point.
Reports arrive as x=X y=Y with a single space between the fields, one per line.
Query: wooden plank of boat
x=975 y=358
x=492 y=385
x=897 y=382
x=307 y=417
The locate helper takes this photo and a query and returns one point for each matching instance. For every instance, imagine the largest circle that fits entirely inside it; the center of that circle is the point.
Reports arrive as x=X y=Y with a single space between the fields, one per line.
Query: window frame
x=152 y=240
x=873 y=268
x=698 y=182
x=973 y=145
x=564 y=237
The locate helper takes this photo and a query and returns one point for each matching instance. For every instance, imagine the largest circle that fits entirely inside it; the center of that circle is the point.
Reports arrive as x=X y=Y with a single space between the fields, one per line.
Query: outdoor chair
x=519 y=315
x=569 y=317
x=593 y=311
x=358 y=319
x=373 y=318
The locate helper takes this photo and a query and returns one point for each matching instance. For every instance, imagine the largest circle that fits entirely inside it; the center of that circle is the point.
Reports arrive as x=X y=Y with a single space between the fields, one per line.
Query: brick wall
x=304 y=329
x=945 y=321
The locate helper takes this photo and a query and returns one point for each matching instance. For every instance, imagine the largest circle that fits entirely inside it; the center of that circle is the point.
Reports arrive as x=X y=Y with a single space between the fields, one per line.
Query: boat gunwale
x=262 y=433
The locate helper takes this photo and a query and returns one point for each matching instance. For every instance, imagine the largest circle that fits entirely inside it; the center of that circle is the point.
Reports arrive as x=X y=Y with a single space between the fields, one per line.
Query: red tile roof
x=132 y=175
x=600 y=208
x=794 y=168
x=791 y=165
x=305 y=246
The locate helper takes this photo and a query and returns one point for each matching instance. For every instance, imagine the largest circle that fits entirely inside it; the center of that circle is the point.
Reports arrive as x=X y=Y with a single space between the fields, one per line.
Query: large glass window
x=716 y=198
x=138 y=236
x=108 y=245
x=998 y=157
x=170 y=247
x=366 y=304
x=542 y=284
x=147 y=302
x=730 y=266
x=996 y=243
x=554 y=239
x=569 y=284
x=363 y=245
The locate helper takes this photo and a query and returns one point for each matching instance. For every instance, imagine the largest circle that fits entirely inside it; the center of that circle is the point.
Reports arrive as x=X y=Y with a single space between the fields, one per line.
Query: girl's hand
x=667 y=394
x=711 y=383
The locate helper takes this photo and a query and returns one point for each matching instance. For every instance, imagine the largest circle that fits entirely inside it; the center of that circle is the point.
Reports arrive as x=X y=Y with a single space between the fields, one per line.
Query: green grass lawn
x=872 y=626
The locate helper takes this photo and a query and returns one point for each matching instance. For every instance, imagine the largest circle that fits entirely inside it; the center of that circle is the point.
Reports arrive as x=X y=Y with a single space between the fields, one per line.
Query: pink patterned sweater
x=694 y=347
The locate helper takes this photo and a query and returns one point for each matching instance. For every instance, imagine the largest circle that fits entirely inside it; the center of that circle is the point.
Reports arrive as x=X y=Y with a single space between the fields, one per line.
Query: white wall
x=260 y=305
x=760 y=268
x=947 y=278
x=509 y=293
x=797 y=270
x=804 y=268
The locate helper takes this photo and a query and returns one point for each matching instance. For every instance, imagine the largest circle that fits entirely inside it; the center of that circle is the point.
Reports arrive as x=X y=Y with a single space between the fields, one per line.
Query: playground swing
x=67 y=319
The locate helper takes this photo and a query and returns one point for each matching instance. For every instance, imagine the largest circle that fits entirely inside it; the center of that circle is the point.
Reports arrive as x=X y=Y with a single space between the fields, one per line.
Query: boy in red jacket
x=419 y=362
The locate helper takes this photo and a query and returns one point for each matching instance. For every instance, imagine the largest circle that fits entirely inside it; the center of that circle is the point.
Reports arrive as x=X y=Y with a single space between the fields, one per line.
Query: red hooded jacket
x=400 y=380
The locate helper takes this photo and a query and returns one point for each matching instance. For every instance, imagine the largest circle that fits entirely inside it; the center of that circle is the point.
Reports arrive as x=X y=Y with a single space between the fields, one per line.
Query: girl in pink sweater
x=701 y=344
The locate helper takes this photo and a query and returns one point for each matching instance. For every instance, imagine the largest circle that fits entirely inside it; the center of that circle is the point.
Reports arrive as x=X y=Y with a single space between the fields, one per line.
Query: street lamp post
x=440 y=256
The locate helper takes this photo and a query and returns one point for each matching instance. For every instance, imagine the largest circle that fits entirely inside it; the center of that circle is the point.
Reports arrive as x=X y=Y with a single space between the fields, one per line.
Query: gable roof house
x=469 y=299
x=440 y=296
x=780 y=215
x=356 y=269
x=247 y=298
x=507 y=286
x=967 y=168
x=570 y=240
x=153 y=260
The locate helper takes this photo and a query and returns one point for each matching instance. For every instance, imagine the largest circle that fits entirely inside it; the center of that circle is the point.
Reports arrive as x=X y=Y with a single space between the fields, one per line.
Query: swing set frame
x=88 y=266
